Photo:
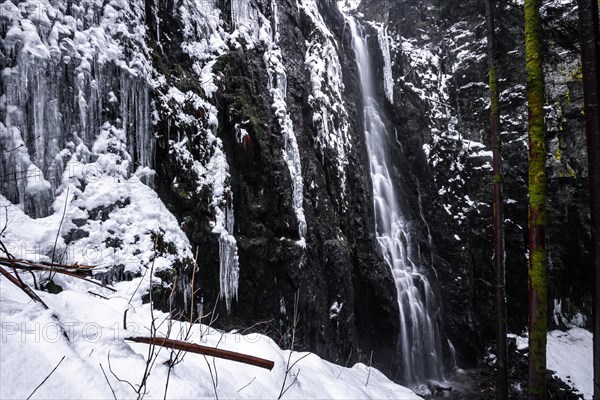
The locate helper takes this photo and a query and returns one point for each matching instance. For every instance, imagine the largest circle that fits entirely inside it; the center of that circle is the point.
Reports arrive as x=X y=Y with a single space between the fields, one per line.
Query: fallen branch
x=209 y=351
x=98 y=295
x=23 y=286
x=26 y=289
x=83 y=269
x=29 y=266
x=75 y=266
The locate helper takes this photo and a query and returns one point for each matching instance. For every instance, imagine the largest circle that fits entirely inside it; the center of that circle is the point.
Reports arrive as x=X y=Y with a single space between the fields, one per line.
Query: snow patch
x=32 y=345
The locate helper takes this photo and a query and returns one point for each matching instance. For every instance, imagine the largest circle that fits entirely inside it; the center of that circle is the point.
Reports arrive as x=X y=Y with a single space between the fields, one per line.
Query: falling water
x=419 y=344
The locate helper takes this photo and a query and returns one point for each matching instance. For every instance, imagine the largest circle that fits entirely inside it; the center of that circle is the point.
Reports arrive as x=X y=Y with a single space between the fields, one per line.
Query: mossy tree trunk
x=498 y=219
x=537 y=202
x=590 y=58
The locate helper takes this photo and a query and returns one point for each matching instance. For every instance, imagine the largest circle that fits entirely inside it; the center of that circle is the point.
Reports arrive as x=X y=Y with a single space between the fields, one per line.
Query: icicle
x=388 y=78
x=229 y=262
x=156 y=19
x=54 y=85
x=278 y=88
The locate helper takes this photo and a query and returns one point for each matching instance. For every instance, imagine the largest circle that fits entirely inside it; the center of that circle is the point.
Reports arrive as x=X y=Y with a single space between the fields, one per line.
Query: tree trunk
x=590 y=59
x=498 y=219
x=537 y=202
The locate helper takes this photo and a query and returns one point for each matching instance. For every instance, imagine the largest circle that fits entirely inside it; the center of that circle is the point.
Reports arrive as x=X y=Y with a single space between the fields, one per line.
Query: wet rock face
x=439 y=62
x=154 y=105
x=341 y=260
x=99 y=99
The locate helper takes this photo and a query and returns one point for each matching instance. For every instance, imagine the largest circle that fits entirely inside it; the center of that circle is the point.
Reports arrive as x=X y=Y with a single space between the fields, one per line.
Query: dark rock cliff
x=181 y=95
x=340 y=261
x=441 y=101
x=272 y=195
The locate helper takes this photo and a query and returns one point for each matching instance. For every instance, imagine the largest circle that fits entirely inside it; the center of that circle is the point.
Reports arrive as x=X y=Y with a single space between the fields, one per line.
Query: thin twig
x=45 y=379
x=35 y=284
x=171 y=359
x=193 y=279
x=212 y=378
x=245 y=386
x=170 y=363
x=291 y=384
x=370 y=363
x=288 y=366
x=256 y=324
x=152 y=356
x=213 y=318
x=98 y=295
x=109 y=385
x=116 y=377
x=300 y=359
x=60 y=226
x=345 y=365
x=15 y=149
x=131 y=298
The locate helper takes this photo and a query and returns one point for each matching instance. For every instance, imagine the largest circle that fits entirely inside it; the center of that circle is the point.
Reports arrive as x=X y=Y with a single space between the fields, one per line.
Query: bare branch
x=46 y=378
x=245 y=386
x=26 y=289
x=60 y=226
x=209 y=351
x=116 y=377
x=109 y=385
x=212 y=378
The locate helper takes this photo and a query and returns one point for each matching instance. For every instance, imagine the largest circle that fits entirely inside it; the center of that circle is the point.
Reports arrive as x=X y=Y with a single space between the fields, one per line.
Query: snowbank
x=32 y=344
x=570 y=356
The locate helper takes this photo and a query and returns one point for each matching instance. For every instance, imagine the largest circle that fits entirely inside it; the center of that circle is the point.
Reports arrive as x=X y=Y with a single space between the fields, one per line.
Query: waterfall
x=419 y=345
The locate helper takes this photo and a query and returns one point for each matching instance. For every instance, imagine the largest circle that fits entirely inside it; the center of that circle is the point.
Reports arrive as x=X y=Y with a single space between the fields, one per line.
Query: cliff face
x=245 y=119
x=288 y=121
x=440 y=104
x=242 y=121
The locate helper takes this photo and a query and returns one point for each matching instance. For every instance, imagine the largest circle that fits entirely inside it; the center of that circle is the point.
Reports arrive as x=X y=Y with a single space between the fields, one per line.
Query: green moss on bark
x=537 y=202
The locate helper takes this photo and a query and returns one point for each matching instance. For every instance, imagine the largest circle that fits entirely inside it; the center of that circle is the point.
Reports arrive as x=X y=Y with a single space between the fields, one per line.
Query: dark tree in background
x=537 y=202
x=590 y=58
x=498 y=218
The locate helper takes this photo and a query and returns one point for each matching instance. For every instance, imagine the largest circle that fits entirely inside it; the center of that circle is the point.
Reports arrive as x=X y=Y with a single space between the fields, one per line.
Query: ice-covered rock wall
x=77 y=140
x=276 y=90
x=215 y=139
x=67 y=72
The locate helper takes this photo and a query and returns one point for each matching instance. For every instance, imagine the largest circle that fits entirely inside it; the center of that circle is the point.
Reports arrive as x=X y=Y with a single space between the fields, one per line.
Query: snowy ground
x=32 y=345
x=569 y=355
